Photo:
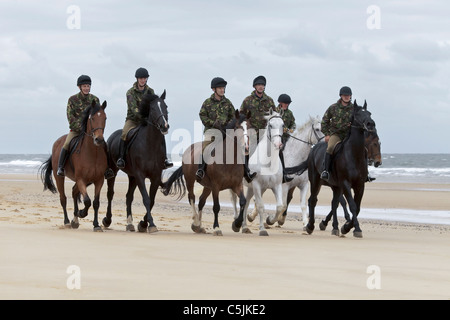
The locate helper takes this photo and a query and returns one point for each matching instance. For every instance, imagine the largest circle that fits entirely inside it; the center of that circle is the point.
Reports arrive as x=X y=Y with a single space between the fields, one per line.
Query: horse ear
x=163 y=96
x=104 y=105
x=236 y=113
x=356 y=104
x=365 y=105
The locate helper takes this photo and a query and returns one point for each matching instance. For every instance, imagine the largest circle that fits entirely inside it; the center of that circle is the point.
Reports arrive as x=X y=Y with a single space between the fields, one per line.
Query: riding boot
x=325 y=175
x=247 y=175
x=167 y=163
x=121 y=161
x=285 y=177
x=62 y=162
x=109 y=173
x=201 y=170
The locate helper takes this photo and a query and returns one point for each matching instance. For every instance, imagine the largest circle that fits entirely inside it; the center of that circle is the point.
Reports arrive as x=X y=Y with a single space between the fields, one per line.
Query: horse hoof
x=269 y=222
x=250 y=219
x=246 y=231
x=98 y=229
x=74 y=225
x=106 y=223
x=68 y=225
x=335 y=232
x=343 y=230
x=217 y=232
x=142 y=226
x=357 y=234
x=152 y=229
x=309 y=229
x=263 y=233
x=130 y=227
x=282 y=220
x=236 y=226
x=322 y=226
x=198 y=229
x=82 y=213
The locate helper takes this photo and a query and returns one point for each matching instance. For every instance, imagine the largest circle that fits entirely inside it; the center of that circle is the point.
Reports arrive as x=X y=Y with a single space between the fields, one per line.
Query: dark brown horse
x=144 y=160
x=348 y=171
x=87 y=164
x=373 y=147
x=224 y=173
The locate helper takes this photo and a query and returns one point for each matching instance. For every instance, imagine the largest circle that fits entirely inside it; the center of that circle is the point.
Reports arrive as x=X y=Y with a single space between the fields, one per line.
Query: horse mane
x=86 y=113
x=306 y=124
x=144 y=105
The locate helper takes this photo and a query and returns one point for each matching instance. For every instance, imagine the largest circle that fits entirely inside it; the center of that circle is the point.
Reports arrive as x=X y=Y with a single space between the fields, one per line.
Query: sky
x=393 y=54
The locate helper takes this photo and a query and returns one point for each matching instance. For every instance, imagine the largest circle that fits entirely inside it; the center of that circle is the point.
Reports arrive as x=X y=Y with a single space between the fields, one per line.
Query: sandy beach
x=40 y=259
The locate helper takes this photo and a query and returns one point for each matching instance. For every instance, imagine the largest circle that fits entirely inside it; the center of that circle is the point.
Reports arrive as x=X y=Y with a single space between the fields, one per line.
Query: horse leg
x=148 y=219
x=344 y=207
x=239 y=219
x=62 y=198
x=303 y=207
x=76 y=212
x=324 y=223
x=260 y=207
x=216 y=209
x=358 y=197
x=107 y=220
x=96 y=204
x=86 y=200
x=353 y=209
x=281 y=205
x=154 y=185
x=248 y=197
x=129 y=201
x=196 y=225
x=282 y=218
x=312 y=201
x=337 y=194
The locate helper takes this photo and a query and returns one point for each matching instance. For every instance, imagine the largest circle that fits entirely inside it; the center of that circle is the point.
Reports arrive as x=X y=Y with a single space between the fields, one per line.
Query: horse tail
x=175 y=184
x=46 y=175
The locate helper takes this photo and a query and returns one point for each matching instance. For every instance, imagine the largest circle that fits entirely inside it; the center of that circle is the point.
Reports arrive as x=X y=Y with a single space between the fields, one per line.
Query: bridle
x=310 y=137
x=91 y=133
x=269 y=134
x=155 y=122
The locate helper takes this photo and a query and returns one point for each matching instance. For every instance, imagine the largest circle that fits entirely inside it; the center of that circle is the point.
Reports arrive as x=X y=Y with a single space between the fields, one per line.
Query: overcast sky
x=394 y=54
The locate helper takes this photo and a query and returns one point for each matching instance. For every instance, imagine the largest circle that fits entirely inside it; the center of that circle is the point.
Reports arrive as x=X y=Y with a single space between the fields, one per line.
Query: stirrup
x=200 y=174
x=60 y=172
x=109 y=174
x=325 y=175
x=168 y=164
x=120 y=163
x=249 y=176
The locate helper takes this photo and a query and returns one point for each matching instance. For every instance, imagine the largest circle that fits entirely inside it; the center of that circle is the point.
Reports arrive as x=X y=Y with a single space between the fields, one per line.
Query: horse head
x=154 y=109
x=316 y=129
x=362 y=118
x=94 y=122
x=274 y=128
x=373 y=146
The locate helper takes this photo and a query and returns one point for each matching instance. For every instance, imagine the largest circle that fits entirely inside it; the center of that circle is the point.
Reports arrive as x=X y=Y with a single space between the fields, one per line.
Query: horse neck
x=297 y=151
x=357 y=142
x=265 y=147
x=152 y=134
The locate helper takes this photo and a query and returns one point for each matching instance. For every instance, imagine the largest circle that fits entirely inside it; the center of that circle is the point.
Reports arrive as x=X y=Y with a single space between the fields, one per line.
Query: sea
x=404 y=168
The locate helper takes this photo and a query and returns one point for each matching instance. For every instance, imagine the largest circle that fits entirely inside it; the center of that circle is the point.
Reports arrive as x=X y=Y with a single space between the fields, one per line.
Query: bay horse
x=373 y=148
x=265 y=160
x=226 y=171
x=144 y=159
x=297 y=149
x=348 y=171
x=87 y=164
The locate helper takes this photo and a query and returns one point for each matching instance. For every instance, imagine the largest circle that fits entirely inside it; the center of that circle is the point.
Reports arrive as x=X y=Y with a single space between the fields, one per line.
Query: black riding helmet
x=218 y=83
x=84 y=79
x=141 y=73
x=259 y=80
x=346 y=91
x=284 y=98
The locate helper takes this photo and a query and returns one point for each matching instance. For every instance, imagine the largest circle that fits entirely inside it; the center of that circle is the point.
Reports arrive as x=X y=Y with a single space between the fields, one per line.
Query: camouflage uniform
x=216 y=113
x=75 y=107
x=258 y=108
x=134 y=97
x=289 y=122
x=336 y=123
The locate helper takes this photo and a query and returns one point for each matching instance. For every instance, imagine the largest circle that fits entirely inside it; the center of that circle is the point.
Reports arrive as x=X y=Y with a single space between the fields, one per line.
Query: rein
x=309 y=142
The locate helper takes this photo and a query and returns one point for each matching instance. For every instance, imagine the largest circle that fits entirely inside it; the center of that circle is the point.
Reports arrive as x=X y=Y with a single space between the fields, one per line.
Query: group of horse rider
x=215 y=112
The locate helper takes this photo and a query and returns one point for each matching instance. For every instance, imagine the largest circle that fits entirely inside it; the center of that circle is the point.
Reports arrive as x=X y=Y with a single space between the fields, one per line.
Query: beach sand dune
x=40 y=259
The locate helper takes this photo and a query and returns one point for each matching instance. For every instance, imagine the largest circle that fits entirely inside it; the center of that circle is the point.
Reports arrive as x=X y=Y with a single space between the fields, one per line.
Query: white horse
x=295 y=152
x=266 y=163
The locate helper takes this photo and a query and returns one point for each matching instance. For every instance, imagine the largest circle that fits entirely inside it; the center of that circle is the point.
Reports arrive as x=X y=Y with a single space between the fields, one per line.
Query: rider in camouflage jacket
x=216 y=113
x=286 y=114
x=336 y=124
x=258 y=106
x=75 y=108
